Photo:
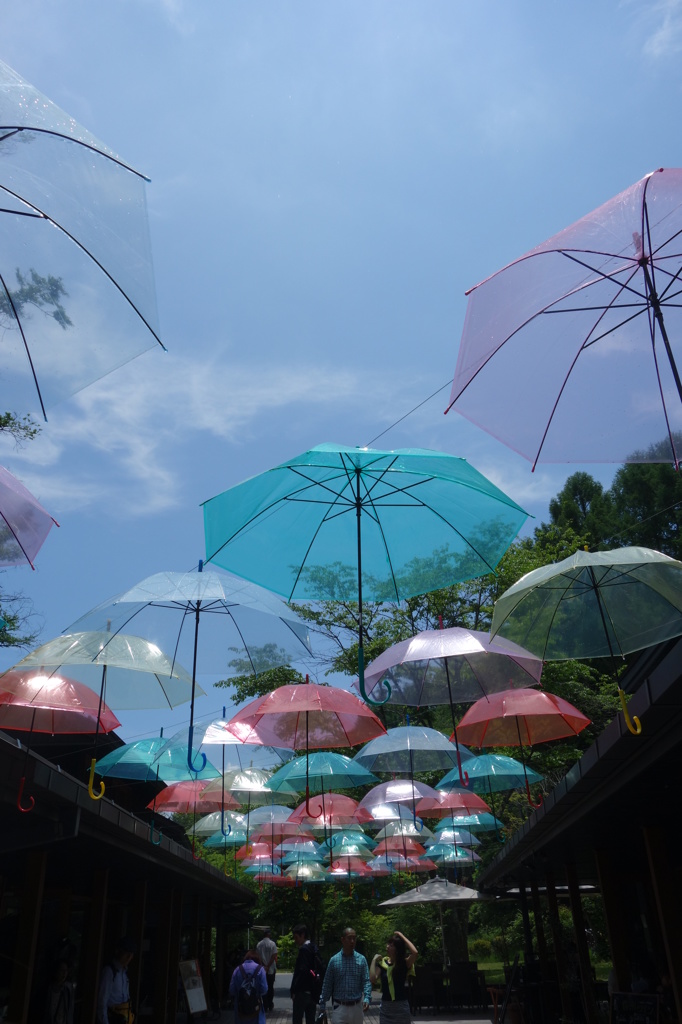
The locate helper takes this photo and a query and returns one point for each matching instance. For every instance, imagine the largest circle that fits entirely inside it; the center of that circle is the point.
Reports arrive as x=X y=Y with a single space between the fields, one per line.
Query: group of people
x=347 y=980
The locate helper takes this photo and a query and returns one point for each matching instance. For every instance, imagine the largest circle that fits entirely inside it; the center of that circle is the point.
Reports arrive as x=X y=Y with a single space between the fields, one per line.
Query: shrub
x=480 y=949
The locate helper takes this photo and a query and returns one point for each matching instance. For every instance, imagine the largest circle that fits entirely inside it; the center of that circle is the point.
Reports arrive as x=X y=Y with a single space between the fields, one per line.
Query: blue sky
x=327 y=181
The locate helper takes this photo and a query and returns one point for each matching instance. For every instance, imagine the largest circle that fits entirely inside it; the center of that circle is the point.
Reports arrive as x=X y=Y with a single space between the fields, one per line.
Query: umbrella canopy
x=386 y=813
x=410 y=748
x=33 y=702
x=483 y=822
x=397 y=791
x=444 y=805
x=492 y=773
x=520 y=718
x=399 y=844
x=220 y=841
x=452 y=855
x=246 y=785
x=70 y=207
x=24 y=523
x=446 y=666
x=335 y=521
x=211 y=732
x=146 y=760
x=138 y=674
x=404 y=828
x=216 y=820
x=324 y=770
x=588 y=326
x=234 y=615
x=460 y=836
x=334 y=809
x=188 y=797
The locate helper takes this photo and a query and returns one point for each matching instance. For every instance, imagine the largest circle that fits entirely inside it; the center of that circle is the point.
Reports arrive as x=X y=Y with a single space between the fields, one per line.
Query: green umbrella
x=321 y=770
x=338 y=522
x=595 y=604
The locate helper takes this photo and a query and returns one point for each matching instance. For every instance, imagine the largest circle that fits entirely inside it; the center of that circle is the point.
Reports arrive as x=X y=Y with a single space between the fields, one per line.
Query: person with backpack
x=248 y=985
x=113 y=996
x=346 y=982
x=306 y=981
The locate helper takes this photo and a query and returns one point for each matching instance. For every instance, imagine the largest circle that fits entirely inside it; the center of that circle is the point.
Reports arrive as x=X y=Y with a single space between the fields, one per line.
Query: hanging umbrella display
x=70 y=207
x=234 y=614
x=490 y=774
x=588 y=326
x=383 y=813
x=338 y=810
x=128 y=671
x=595 y=604
x=458 y=836
x=348 y=835
x=305 y=716
x=452 y=855
x=24 y=523
x=397 y=791
x=214 y=821
x=483 y=822
x=304 y=873
x=322 y=770
x=404 y=828
x=338 y=523
x=520 y=718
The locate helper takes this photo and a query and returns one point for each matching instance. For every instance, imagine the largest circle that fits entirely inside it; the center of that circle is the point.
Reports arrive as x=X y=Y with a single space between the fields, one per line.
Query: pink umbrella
x=24 y=523
x=186 y=797
x=338 y=810
x=456 y=802
x=35 y=702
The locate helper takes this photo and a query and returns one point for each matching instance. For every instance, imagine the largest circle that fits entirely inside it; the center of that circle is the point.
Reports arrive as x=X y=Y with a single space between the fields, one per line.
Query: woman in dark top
x=392 y=971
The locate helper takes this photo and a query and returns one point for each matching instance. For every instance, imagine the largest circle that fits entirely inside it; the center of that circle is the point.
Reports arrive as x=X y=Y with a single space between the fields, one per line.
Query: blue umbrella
x=323 y=769
x=147 y=760
x=335 y=520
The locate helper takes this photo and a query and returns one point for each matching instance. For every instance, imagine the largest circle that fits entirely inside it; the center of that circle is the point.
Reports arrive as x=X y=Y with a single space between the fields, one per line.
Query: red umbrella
x=186 y=797
x=399 y=844
x=338 y=810
x=522 y=717
x=303 y=716
x=515 y=718
x=35 y=702
x=455 y=802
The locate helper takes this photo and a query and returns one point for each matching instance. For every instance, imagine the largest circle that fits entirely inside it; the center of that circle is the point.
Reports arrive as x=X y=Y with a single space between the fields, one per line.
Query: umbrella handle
x=20 y=793
x=222 y=823
x=311 y=814
x=156 y=842
x=190 y=758
x=634 y=725
x=530 y=799
x=361 y=683
x=91 y=780
x=417 y=822
x=195 y=855
x=463 y=777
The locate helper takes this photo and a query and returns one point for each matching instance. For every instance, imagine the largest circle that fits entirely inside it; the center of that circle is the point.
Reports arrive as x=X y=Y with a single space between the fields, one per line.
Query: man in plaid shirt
x=346 y=982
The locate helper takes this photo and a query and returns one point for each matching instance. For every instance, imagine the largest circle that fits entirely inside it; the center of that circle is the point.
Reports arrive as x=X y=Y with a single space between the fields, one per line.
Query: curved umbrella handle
x=311 y=814
x=417 y=822
x=634 y=725
x=195 y=855
x=530 y=799
x=20 y=793
x=156 y=842
x=361 y=683
x=222 y=823
x=190 y=754
x=91 y=781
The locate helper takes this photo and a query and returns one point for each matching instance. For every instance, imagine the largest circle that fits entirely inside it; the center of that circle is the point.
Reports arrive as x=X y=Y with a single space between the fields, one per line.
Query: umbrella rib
x=17 y=129
x=28 y=353
x=572 y=366
x=94 y=259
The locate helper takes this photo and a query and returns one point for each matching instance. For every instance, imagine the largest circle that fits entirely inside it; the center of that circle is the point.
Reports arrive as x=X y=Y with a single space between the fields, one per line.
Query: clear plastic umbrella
x=77 y=295
x=24 y=523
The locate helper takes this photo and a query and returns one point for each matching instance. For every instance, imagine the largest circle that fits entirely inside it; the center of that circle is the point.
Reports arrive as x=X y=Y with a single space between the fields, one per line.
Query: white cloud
x=663 y=32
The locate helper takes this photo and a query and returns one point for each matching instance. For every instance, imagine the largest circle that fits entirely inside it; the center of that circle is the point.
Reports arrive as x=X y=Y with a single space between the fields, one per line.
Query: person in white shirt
x=267 y=950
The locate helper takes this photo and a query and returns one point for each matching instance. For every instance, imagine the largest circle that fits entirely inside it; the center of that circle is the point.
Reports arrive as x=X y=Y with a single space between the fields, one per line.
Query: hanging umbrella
x=336 y=522
x=24 y=523
x=492 y=773
x=397 y=791
x=452 y=855
x=458 y=836
x=386 y=813
x=520 y=718
x=595 y=604
x=323 y=769
x=410 y=749
x=483 y=822
x=128 y=671
x=245 y=785
x=312 y=872
x=146 y=760
x=70 y=207
x=218 y=840
x=188 y=797
x=399 y=844
x=232 y=612
x=214 y=820
x=443 y=805
x=587 y=326
x=338 y=810
x=304 y=716
x=348 y=835
x=34 y=702
x=404 y=828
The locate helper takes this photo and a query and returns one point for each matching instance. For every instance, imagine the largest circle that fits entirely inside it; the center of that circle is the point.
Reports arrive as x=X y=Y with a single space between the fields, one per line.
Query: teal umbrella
x=145 y=761
x=336 y=523
x=594 y=604
x=321 y=770
x=492 y=773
